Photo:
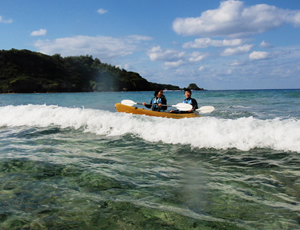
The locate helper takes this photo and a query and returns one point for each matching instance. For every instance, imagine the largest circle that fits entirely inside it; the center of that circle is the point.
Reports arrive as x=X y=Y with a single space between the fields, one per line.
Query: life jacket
x=188 y=101
x=155 y=102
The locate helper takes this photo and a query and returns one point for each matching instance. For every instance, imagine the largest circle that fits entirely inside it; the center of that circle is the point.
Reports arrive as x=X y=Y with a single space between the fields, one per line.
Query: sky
x=218 y=45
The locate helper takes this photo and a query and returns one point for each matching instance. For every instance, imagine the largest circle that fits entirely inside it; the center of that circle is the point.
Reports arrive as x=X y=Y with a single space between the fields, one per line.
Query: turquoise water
x=69 y=161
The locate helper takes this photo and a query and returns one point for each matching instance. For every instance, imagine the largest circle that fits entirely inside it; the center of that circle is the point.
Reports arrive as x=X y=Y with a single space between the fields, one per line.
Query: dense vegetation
x=24 y=71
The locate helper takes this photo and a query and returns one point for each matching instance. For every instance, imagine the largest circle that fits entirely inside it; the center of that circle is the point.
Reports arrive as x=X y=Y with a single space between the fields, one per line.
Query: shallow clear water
x=69 y=161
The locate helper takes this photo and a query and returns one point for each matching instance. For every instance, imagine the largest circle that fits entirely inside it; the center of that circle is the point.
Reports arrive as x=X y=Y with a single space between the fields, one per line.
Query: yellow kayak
x=135 y=110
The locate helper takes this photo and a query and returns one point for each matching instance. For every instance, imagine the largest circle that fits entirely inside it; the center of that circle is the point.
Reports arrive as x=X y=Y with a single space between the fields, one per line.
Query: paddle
x=180 y=106
x=205 y=109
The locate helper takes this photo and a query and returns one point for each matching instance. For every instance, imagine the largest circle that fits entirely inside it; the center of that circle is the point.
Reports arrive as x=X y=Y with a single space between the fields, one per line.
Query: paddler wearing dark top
x=157 y=101
x=188 y=100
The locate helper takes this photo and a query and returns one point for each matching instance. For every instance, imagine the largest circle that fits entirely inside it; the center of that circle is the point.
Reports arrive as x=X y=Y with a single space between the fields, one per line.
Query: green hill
x=24 y=71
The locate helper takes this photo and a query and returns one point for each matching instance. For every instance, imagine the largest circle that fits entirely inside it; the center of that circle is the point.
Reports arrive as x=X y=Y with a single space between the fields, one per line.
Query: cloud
x=236 y=63
x=173 y=64
x=137 y=38
x=196 y=57
x=171 y=55
x=232 y=18
x=124 y=66
x=256 y=55
x=101 y=46
x=201 y=68
x=101 y=11
x=157 y=54
x=39 y=32
x=174 y=58
x=295 y=18
x=237 y=50
x=206 y=42
x=5 y=21
x=265 y=44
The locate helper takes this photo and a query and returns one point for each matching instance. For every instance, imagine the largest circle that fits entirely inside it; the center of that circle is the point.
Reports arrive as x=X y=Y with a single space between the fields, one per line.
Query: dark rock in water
x=193 y=86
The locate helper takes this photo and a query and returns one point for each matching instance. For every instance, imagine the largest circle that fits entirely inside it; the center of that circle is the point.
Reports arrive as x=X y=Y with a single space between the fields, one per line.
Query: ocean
x=70 y=161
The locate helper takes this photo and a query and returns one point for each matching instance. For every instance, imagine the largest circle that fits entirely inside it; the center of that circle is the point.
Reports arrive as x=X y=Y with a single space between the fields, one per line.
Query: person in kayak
x=157 y=101
x=188 y=100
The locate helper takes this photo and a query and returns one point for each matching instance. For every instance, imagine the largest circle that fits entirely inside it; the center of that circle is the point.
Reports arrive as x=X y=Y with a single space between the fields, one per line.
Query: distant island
x=25 y=71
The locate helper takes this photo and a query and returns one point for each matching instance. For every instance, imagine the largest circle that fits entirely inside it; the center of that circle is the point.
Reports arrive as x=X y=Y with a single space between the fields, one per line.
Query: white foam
x=204 y=132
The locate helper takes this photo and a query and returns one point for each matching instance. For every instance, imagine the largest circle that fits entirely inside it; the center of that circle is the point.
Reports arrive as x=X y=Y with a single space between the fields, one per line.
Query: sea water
x=70 y=161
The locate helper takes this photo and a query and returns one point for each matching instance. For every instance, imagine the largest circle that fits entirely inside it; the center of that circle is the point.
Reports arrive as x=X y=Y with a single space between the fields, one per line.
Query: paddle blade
x=128 y=102
x=205 y=109
x=183 y=106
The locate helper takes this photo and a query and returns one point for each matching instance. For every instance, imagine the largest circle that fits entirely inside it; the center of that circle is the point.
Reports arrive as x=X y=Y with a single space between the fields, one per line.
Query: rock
x=193 y=86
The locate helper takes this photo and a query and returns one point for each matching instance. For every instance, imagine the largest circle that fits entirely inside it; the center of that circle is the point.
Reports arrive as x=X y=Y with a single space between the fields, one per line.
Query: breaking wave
x=206 y=132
